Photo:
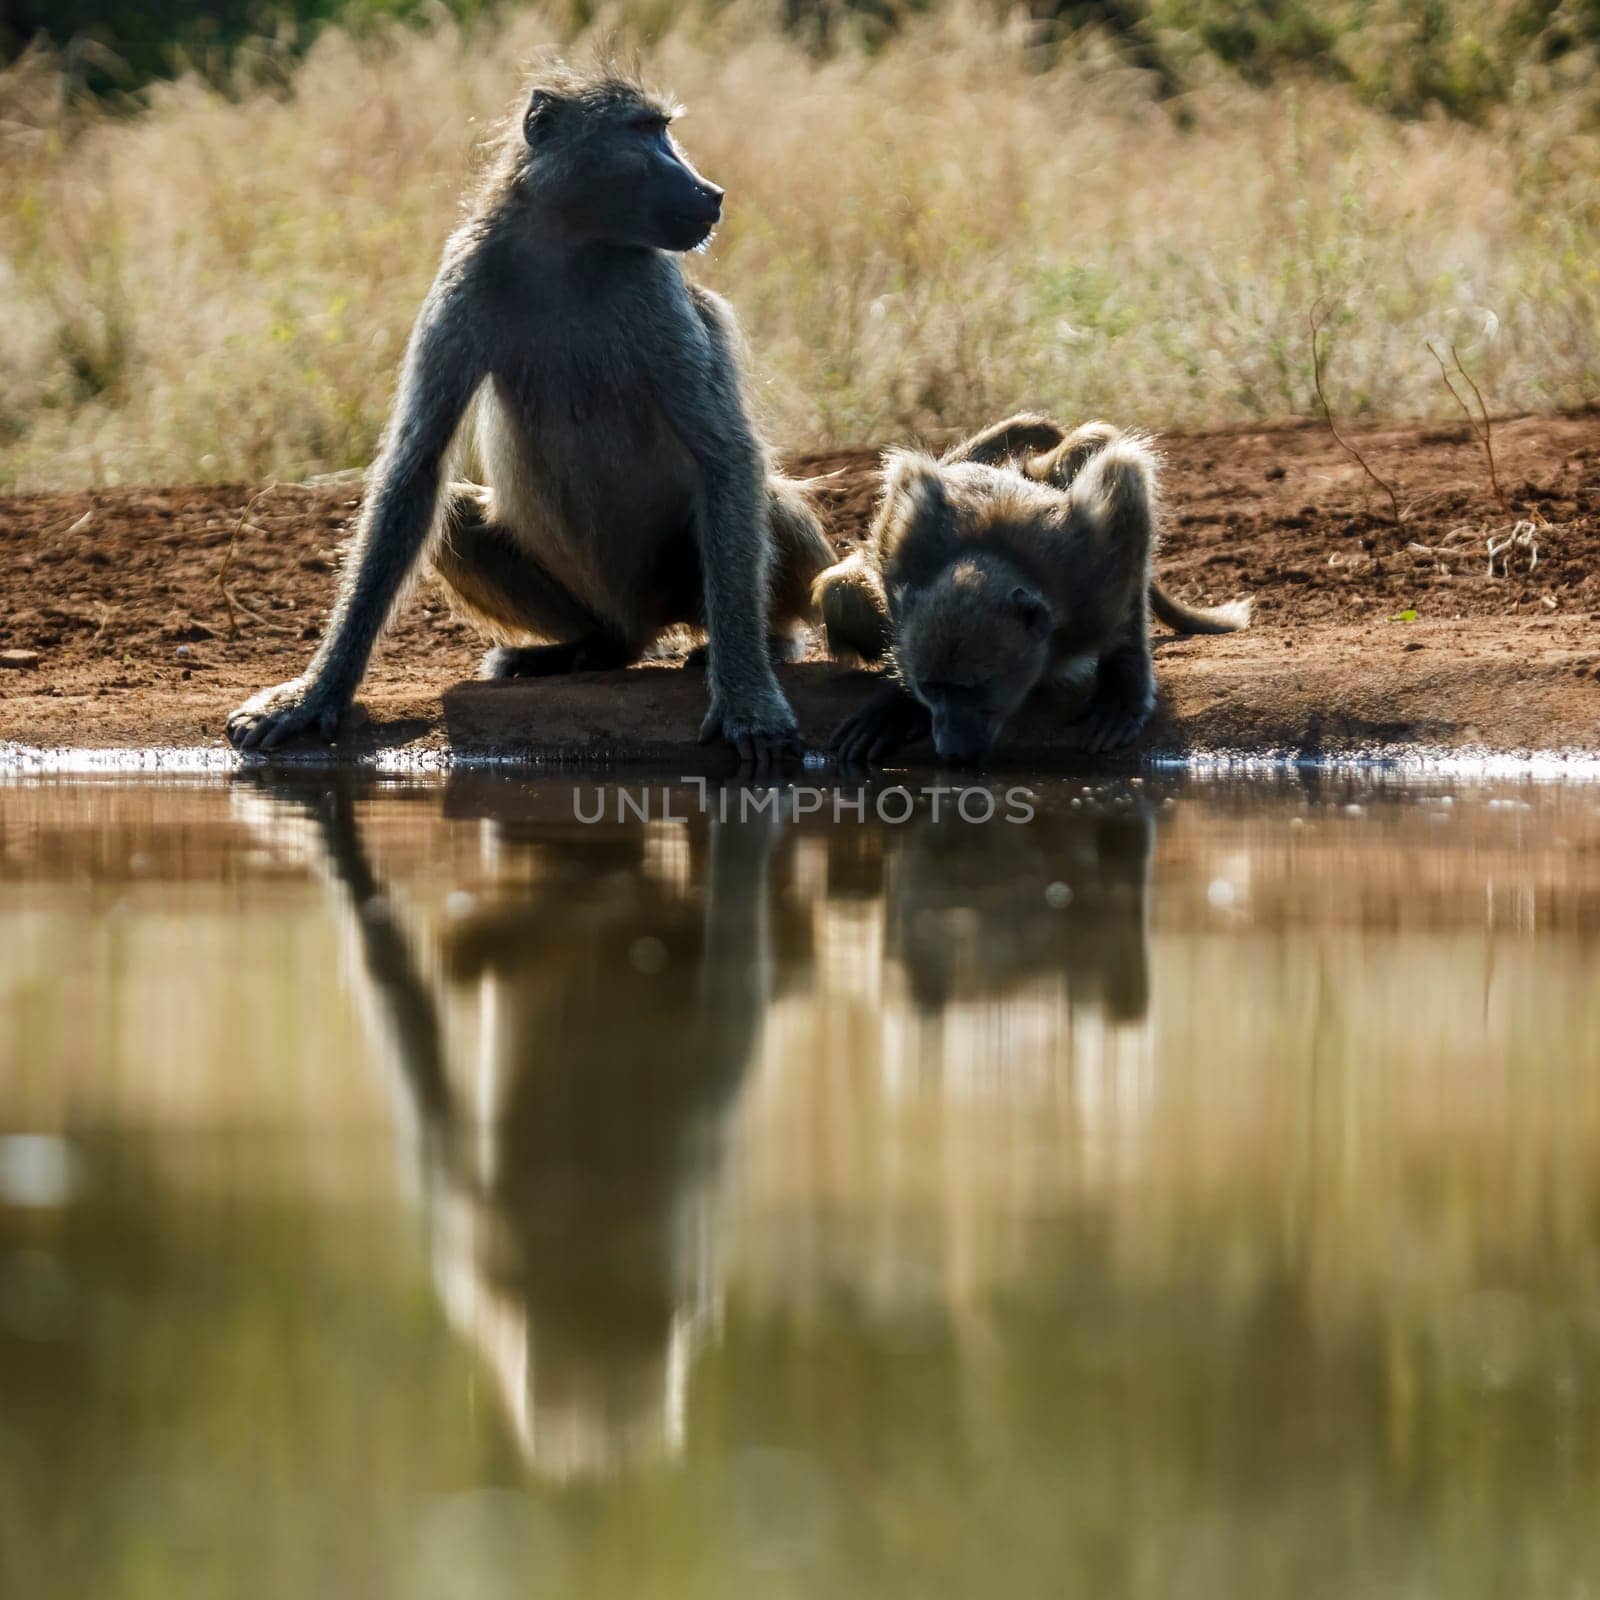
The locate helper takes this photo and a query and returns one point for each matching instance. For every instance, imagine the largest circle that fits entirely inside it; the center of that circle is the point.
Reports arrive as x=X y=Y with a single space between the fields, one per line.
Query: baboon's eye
x=648 y=122
x=538 y=113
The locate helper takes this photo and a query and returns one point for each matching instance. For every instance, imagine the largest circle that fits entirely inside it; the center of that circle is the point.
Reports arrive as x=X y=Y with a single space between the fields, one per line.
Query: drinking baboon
x=965 y=918
x=1023 y=557
x=626 y=489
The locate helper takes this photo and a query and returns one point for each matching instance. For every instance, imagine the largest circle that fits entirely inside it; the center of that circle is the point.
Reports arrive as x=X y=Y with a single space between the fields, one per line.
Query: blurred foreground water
x=417 y=1190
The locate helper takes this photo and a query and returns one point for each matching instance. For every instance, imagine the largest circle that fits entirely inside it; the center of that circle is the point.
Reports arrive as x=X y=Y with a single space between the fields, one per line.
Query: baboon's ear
x=536 y=119
x=1035 y=614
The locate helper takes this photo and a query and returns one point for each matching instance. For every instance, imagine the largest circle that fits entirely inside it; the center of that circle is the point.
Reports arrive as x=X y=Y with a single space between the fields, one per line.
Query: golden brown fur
x=1023 y=557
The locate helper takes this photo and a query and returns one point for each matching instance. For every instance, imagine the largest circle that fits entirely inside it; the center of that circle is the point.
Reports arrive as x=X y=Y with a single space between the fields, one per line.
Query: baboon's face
x=611 y=170
x=971 y=649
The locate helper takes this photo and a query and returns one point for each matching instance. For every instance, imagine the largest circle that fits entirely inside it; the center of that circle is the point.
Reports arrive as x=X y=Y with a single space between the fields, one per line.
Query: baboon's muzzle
x=689 y=225
x=961 y=741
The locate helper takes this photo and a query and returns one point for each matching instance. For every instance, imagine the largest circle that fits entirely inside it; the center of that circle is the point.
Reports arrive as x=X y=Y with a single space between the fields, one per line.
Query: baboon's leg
x=783 y=648
x=1025 y=434
x=1069 y=458
x=495 y=577
x=598 y=653
x=854 y=610
x=1124 y=692
x=799 y=551
x=1124 y=846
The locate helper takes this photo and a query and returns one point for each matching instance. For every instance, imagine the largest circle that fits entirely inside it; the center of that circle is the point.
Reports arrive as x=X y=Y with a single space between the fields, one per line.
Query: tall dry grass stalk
x=918 y=239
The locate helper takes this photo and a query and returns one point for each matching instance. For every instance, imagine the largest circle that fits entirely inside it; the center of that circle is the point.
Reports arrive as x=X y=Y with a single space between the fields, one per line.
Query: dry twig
x=1448 y=547
x=1524 y=536
x=1327 y=412
x=1478 y=424
x=227 y=561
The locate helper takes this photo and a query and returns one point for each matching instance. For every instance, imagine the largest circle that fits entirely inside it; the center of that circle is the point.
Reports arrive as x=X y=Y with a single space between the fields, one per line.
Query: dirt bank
x=119 y=632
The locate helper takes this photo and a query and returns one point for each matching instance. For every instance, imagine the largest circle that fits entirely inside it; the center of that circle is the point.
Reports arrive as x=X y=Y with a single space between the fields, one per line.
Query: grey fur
x=1023 y=557
x=626 y=489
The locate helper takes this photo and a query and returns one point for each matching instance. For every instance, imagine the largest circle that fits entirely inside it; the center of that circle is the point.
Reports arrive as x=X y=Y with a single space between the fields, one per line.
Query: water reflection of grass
x=252 y=1399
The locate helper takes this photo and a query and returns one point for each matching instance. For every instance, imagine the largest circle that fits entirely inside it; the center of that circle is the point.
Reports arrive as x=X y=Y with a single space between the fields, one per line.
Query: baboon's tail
x=1198 y=619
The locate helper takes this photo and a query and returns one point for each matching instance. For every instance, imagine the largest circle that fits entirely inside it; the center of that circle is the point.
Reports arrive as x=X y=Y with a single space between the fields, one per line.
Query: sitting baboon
x=626 y=488
x=1023 y=557
x=568 y=1060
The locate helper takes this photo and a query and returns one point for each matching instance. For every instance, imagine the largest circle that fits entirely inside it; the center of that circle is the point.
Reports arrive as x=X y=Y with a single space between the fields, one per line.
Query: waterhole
x=508 y=1187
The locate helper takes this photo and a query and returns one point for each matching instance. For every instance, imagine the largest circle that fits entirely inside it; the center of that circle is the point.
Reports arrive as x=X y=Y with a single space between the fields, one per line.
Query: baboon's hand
x=1110 y=725
x=763 y=731
x=267 y=719
x=888 y=720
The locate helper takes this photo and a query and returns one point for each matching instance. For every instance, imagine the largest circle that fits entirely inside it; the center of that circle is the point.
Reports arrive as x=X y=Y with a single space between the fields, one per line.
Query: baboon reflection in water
x=571 y=1045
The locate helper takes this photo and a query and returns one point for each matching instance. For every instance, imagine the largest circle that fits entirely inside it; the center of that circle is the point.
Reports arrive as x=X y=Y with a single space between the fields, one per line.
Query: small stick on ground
x=227 y=561
x=1449 y=546
x=1479 y=424
x=1327 y=412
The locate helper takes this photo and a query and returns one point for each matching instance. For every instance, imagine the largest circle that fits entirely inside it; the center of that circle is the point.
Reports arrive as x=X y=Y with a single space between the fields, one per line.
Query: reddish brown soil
x=120 y=594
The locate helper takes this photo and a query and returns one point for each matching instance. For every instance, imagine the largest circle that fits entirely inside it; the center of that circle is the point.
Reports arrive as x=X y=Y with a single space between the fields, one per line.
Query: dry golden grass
x=918 y=238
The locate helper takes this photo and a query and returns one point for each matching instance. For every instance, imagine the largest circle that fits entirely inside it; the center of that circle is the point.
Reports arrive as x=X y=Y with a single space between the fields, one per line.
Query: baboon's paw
x=276 y=715
x=1110 y=725
x=887 y=721
x=765 y=734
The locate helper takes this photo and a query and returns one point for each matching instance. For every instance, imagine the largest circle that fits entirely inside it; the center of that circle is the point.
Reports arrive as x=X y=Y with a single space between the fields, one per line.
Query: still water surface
x=412 y=1190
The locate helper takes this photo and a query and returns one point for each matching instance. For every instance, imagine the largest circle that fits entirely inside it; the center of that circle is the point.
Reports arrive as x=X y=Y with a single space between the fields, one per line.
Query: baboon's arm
x=736 y=970
x=442 y=371
x=1022 y=435
x=1124 y=693
x=405 y=1001
x=441 y=374
x=707 y=410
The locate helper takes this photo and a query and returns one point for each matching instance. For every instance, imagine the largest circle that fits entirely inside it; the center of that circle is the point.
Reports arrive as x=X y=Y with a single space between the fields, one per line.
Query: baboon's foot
x=1110 y=722
x=597 y=653
x=783 y=648
x=891 y=718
